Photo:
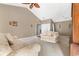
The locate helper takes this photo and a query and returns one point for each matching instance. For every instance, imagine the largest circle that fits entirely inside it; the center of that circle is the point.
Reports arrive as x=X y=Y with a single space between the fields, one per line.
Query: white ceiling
x=55 y=11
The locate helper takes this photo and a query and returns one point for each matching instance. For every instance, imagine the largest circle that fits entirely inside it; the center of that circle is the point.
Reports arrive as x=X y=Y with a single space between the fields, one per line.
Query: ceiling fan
x=31 y=5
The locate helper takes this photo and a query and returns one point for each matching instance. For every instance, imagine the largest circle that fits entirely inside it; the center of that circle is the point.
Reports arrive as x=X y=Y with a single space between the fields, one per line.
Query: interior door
x=74 y=47
x=75 y=17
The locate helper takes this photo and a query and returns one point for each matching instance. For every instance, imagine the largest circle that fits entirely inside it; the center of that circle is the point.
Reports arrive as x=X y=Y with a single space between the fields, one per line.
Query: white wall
x=45 y=28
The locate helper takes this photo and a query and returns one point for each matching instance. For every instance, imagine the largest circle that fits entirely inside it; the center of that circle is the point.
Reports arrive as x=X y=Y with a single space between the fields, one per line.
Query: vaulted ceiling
x=55 y=11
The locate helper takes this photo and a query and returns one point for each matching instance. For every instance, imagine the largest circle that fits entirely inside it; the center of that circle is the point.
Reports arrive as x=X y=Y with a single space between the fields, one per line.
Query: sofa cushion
x=10 y=38
x=28 y=50
x=50 y=36
x=4 y=45
x=15 y=43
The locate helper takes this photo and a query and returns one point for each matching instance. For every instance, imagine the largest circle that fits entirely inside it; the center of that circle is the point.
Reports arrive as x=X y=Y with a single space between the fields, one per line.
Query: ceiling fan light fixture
x=36 y=5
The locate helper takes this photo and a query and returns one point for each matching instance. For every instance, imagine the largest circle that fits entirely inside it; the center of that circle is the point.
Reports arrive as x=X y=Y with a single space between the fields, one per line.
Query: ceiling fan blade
x=31 y=6
x=36 y=5
x=26 y=3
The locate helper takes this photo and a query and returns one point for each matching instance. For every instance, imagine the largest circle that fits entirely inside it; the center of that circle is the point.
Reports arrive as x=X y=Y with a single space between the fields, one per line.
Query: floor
x=47 y=49
x=50 y=49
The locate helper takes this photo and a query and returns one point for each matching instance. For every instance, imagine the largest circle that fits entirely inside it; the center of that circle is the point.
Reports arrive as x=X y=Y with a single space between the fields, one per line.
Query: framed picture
x=13 y=23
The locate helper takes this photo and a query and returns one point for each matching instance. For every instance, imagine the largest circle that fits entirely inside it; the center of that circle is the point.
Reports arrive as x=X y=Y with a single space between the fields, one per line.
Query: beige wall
x=3 y=19
x=24 y=18
x=64 y=27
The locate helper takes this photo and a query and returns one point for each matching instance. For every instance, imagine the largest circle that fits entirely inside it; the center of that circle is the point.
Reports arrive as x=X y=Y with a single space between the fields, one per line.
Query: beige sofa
x=49 y=36
x=11 y=46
